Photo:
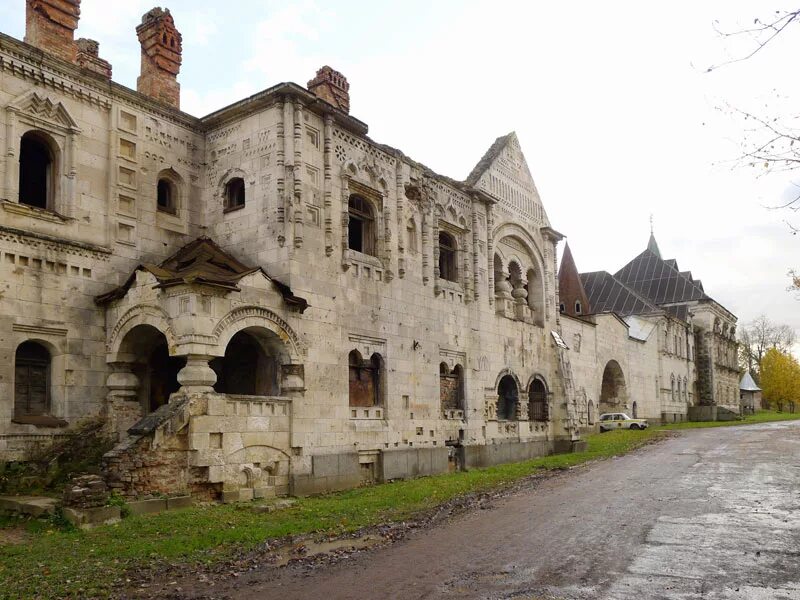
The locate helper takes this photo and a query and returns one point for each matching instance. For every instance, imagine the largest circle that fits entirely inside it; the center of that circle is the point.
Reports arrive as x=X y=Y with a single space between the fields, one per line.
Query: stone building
x=660 y=346
x=265 y=300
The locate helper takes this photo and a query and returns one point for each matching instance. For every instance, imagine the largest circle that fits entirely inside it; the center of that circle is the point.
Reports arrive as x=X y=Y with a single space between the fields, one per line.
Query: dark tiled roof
x=606 y=294
x=658 y=280
x=201 y=261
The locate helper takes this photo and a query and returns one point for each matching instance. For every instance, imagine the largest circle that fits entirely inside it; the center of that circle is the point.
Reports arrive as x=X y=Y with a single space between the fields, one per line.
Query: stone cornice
x=54 y=243
x=282 y=91
x=29 y=62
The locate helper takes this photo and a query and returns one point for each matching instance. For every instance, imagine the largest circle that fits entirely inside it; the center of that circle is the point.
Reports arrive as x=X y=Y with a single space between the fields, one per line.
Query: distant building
x=750 y=394
x=674 y=346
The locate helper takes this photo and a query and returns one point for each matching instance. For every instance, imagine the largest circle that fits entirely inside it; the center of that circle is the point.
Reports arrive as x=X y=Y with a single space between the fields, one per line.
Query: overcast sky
x=611 y=101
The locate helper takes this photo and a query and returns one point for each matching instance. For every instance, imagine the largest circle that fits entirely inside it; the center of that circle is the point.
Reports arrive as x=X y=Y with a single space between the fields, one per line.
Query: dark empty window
x=31 y=380
x=35 y=171
x=234 y=194
x=246 y=368
x=447 y=257
x=507 y=397
x=166 y=201
x=578 y=307
x=364 y=378
x=361 y=226
x=537 y=401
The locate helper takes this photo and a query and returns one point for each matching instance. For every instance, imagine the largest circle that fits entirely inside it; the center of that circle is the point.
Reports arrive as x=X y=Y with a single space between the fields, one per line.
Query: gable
x=504 y=174
x=41 y=107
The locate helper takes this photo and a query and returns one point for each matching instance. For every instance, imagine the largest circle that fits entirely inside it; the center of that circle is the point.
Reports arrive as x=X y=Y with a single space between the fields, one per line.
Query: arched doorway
x=613 y=391
x=250 y=364
x=507 y=398
x=155 y=369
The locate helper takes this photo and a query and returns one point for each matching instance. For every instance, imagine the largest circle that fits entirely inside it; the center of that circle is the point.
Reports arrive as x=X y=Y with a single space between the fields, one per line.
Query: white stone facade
x=86 y=278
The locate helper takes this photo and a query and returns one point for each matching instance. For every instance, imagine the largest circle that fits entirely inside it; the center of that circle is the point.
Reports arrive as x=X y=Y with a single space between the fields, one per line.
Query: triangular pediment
x=503 y=173
x=42 y=107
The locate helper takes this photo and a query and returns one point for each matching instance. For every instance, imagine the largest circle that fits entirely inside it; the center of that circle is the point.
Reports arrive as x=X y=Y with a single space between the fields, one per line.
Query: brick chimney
x=88 y=57
x=332 y=87
x=50 y=25
x=161 y=57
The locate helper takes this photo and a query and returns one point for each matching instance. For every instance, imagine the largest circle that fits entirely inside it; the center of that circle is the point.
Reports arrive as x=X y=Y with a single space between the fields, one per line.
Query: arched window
x=447 y=257
x=31 y=380
x=365 y=379
x=361 y=226
x=234 y=194
x=451 y=387
x=166 y=199
x=249 y=366
x=635 y=410
x=578 y=307
x=562 y=308
x=507 y=398
x=36 y=171
x=537 y=401
x=672 y=386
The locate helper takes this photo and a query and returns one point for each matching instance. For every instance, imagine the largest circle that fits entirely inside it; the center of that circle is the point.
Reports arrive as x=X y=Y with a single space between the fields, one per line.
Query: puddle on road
x=310 y=548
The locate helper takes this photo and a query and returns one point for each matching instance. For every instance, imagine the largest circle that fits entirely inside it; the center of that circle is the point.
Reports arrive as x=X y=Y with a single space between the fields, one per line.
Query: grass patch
x=85 y=563
x=761 y=416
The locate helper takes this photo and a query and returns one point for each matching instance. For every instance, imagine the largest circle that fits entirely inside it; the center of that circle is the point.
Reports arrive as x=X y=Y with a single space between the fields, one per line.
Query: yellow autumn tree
x=780 y=379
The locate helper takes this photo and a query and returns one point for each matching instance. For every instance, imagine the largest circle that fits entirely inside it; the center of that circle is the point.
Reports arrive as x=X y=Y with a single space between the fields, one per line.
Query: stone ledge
x=35 y=506
x=86 y=518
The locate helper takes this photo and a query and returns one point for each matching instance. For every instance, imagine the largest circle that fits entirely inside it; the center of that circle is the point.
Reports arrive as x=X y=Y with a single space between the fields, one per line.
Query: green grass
x=58 y=563
x=762 y=416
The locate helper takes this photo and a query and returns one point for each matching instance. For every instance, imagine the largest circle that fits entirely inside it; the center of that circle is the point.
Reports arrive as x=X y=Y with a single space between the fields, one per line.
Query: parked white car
x=610 y=421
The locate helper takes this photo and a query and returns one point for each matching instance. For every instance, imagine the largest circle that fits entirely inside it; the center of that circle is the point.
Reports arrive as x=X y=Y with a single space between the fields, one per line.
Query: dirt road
x=710 y=514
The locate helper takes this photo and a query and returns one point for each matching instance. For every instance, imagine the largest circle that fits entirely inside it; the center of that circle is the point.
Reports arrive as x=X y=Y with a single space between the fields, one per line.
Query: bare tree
x=771 y=142
x=757 y=337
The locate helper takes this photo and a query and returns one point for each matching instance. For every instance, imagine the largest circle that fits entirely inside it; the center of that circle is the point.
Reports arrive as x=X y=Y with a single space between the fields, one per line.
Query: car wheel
x=635 y=426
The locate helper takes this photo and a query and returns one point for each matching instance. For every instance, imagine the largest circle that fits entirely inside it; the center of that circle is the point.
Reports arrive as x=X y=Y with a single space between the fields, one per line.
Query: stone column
x=502 y=294
x=122 y=400
x=197 y=375
x=520 y=295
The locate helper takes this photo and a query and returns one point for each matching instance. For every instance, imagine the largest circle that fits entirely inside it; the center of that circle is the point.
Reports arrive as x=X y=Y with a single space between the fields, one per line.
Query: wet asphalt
x=710 y=513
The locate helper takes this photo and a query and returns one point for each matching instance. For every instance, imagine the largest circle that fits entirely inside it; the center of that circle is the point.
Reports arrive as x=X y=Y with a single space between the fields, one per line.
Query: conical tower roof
x=570 y=287
x=652 y=245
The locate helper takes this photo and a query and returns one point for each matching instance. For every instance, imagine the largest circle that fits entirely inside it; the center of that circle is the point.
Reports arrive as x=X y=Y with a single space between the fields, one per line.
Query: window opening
x=360 y=230
x=234 y=194
x=508 y=396
x=447 y=257
x=165 y=200
x=537 y=401
x=35 y=172
x=246 y=369
x=364 y=380
x=31 y=380
x=451 y=387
